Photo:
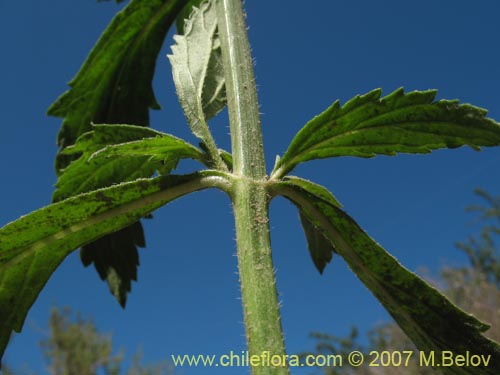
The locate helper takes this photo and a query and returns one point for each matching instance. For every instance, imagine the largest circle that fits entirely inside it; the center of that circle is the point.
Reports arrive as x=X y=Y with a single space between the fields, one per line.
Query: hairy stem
x=244 y=117
x=258 y=286
x=249 y=196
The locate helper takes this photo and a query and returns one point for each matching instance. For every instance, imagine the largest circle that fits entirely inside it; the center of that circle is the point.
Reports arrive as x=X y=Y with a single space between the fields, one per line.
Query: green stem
x=249 y=195
x=244 y=117
x=258 y=286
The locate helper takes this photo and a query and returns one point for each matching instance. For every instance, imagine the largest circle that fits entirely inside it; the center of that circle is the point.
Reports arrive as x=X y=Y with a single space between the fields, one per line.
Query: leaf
x=227 y=158
x=101 y=164
x=198 y=71
x=114 y=86
x=116 y=259
x=320 y=248
x=115 y=256
x=429 y=319
x=32 y=247
x=368 y=125
x=319 y=191
x=161 y=148
x=114 y=83
x=101 y=135
x=87 y=174
x=213 y=96
x=185 y=14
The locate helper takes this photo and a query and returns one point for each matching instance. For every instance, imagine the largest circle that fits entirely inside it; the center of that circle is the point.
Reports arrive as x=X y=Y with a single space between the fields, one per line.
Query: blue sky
x=187 y=297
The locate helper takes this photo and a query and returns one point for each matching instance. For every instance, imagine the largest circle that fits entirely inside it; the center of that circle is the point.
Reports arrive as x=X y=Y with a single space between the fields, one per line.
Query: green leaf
x=162 y=148
x=115 y=256
x=227 y=158
x=368 y=125
x=114 y=83
x=32 y=247
x=319 y=191
x=198 y=71
x=161 y=153
x=87 y=173
x=103 y=163
x=114 y=86
x=429 y=319
x=320 y=248
x=116 y=259
x=101 y=135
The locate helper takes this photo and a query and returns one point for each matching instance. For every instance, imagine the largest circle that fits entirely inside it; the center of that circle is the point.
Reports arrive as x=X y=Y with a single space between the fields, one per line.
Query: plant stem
x=258 y=285
x=244 y=117
x=249 y=195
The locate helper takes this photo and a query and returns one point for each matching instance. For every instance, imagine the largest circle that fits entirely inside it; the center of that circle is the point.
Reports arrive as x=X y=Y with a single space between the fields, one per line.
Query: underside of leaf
x=198 y=71
x=320 y=248
x=184 y=16
x=32 y=247
x=115 y=256
x=369 y=125
x=114 y=86
x=118 y=263
x=86 y=174
x=112 y=154
x=429 y=319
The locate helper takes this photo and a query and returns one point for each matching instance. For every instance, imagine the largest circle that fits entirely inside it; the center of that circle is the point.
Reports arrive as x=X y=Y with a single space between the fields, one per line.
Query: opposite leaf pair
x=106 y=185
